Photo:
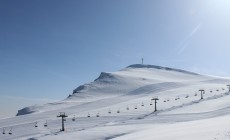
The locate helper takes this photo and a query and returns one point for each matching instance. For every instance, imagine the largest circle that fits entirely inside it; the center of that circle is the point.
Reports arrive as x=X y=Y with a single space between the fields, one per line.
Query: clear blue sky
x=49 y=47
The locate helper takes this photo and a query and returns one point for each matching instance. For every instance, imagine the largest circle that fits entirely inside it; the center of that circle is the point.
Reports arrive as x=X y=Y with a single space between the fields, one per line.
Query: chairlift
x=3 y=131
x=10 y=132
x=118 y=111
x=109 y=111
x=168 y=99
x=45 y=124
x=88 y=115
x=210 y=91
x=127 y=108
x=135 y=107
x=217 y=90
x=97 y=115
x=36 y=124
x=151 y=103
x=142 y=104
x=74 y=118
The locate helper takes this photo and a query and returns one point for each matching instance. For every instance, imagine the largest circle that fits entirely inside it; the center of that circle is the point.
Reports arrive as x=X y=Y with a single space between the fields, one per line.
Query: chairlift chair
x=88 y=115
x=10 y=132
x=74 y=118
x=127 y=108
x=45 y=124
x=97 y=115
x=3 y=131
x=142 y=104
x=135 y=107
x=36 y=124
x=151 y=103
x=118 y=111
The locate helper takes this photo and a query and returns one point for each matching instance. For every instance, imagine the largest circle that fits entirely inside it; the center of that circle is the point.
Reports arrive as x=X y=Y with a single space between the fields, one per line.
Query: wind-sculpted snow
x=161 y=68
x=153 y=88
x=118 y=105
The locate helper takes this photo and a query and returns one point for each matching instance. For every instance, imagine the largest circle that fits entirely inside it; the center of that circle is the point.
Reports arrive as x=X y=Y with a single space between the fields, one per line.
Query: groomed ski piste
x=120 y=106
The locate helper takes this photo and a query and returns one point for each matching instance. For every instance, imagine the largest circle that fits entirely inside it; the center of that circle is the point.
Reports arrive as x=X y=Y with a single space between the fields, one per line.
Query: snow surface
x=181 y=114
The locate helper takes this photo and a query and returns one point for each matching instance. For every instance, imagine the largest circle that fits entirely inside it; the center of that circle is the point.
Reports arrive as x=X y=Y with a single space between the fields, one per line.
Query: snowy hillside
x=118 y=105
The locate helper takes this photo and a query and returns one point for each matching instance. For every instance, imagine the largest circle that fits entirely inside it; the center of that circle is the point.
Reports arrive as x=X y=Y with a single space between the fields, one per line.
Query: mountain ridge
x=135 y=79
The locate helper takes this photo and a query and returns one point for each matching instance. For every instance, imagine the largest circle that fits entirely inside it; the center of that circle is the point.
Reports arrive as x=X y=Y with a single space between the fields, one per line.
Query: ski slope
x=118 y=105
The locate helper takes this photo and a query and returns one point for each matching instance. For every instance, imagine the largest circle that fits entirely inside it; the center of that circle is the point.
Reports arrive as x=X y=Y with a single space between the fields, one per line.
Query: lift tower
x=155 y=98
x=63 y=116
x=201 y=93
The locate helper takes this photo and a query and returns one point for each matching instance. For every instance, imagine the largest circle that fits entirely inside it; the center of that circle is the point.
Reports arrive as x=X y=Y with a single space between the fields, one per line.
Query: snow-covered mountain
x=119 y=105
